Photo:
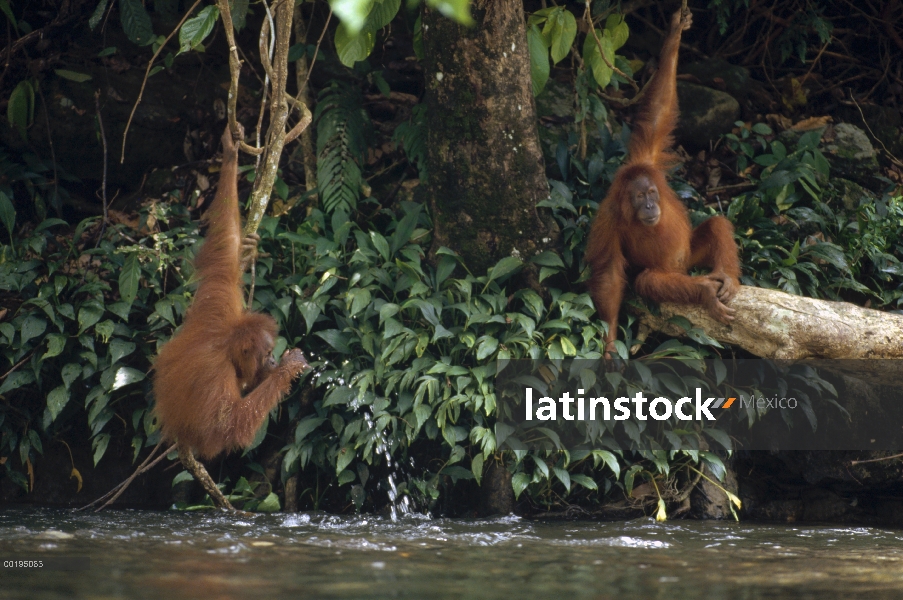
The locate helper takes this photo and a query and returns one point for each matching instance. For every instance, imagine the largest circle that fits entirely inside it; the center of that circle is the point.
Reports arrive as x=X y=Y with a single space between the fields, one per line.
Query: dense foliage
x=404 y=343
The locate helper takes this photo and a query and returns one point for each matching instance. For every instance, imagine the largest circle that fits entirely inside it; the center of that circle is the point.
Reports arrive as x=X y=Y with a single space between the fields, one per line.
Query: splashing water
x=397 y=505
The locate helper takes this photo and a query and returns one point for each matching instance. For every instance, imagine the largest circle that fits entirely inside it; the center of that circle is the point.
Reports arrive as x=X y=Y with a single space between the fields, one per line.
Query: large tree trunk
x=485 y=165
x=773 y=324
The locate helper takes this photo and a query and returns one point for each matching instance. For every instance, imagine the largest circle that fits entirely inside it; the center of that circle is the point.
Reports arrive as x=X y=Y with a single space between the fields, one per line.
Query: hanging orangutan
x=216 y=381
x=642 y=227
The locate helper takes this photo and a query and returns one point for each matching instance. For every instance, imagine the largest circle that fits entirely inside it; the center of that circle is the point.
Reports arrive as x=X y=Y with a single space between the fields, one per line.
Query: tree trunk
x=773 y=324
x=485 y=164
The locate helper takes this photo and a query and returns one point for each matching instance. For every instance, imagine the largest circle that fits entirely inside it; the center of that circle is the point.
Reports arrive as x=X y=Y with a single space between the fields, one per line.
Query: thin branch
x=103 y=183
x=234 y=72
x=871 y=460
x=147 y=74
x=892 y=158
x=302 y=72
x=117 y=491
x=283 y=12
x=16 y=366
x=198 y=471
x=889 y=22
x=817 y=58
x=587 y=15
x=683 y=45
x=313 y=61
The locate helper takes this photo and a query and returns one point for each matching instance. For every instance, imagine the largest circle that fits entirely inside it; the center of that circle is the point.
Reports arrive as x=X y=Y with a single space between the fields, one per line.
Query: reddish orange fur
x=664 y=252
x=215 y=381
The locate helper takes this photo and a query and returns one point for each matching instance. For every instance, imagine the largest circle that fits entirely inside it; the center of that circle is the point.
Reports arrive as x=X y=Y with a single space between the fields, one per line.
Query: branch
x=277 y=72
x=777 y=325
x=150 y=65
x=587 y=14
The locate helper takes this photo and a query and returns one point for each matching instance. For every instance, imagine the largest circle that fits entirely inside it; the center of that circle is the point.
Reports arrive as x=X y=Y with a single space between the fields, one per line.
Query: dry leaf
x=811 y=123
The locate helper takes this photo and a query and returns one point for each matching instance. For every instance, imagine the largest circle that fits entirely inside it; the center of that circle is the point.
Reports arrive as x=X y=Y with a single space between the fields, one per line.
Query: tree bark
x=773 y=324
x=486 y=171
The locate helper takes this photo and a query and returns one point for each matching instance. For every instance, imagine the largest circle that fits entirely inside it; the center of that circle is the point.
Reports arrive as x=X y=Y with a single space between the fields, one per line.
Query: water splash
x=398 y=504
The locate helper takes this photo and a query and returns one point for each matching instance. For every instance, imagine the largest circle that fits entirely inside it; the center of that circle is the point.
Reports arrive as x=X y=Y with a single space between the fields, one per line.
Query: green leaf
x=504 y=267
x=456 y=473
x=70 y=373
x=352 y=13
x=195 y=31
x=296 y=52
x=422 y=412
x=239 y=10
x=352 y=47
x=128 y=279
x=810 y=140
x=592 y=58
x=382 y=246
x=73 y=75
x=8 y=11
x=120 y=309
x=487 y=347
x=104 y=330
x=563 y=33
x=346 y=476
x=98 y=13
x=382 y=13
x=610 y=459
x=343 y=459
x=100 y=444
x=359 y=301
x=539 y=60
x=57 y=400
x=336 y=339
x=721 y=437
x=713 y=462
x=519 y=482
x=125 y=376
x=56 y=342
x=306 y=426
x=137 y=26
x=563 y=476
x=119 y=349
x=567 y=346
x=183 y=476
x=618 y=30
x=476 y=465
x=7 y=213
x=270 y=504
x=32 y=327
x=310 y=311
x=584 y=481
x=16 y=380
x=89 y=314
x=404 y=230
x=547 y=258
x=20 y=110
x=459 y=10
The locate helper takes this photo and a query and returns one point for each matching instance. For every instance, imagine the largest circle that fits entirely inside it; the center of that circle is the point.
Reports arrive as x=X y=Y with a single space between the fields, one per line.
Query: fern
x=342 y=131
x=412 y=136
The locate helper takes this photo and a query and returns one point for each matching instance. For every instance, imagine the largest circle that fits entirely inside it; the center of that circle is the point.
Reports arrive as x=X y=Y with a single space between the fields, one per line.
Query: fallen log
x=776 y=325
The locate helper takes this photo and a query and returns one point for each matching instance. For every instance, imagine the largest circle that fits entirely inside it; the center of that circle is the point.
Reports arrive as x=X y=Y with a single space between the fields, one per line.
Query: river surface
x=171 y=555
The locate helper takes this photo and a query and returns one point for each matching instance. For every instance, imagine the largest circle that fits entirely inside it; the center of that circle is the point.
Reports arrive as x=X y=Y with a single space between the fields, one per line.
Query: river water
x=171 y=555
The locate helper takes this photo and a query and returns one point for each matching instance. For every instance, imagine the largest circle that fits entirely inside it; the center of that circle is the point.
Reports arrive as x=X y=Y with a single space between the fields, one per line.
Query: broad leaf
x=195 y=30
x=135 y=22
x=539 y=60
x=592 y=57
